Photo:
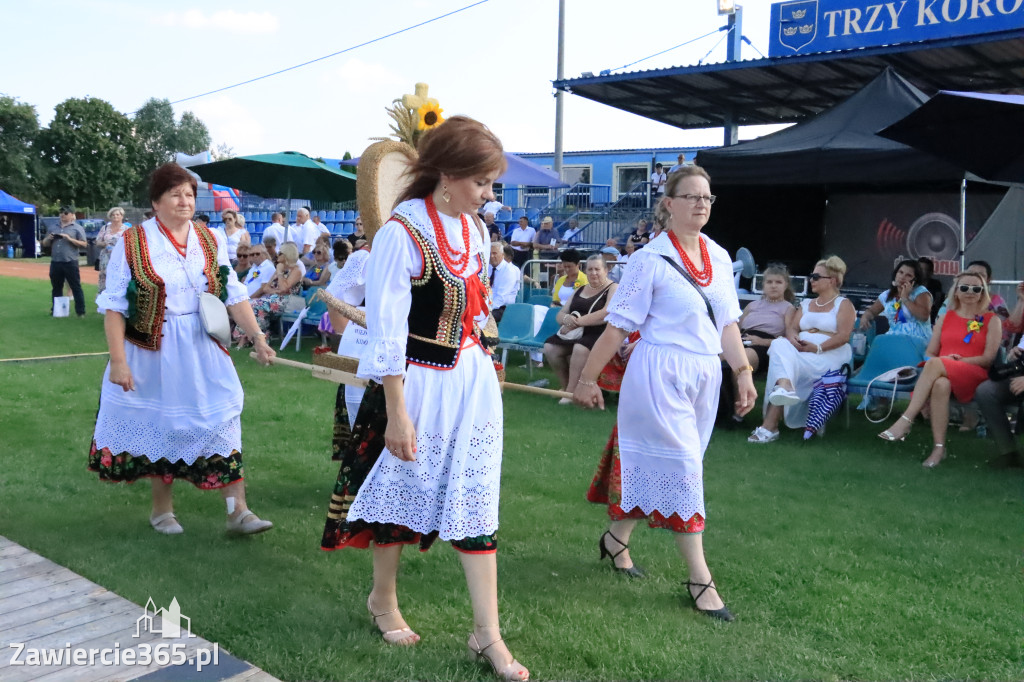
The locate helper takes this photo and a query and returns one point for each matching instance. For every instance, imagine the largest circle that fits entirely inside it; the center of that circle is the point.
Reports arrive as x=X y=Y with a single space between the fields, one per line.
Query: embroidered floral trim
x=146 y=295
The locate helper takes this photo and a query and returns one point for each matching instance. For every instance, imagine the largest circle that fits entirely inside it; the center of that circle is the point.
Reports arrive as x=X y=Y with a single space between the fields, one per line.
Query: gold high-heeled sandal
x=513 y=672
x=889 y=436
x=400 y=637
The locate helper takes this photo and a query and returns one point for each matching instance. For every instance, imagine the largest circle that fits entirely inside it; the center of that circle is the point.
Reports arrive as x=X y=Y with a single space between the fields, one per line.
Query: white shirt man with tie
x=505 y=279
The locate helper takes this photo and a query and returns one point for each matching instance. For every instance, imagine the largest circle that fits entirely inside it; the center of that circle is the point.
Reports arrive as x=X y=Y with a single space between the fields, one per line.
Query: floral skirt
x=606 y=488
x=205 y=473
x=365 y=445
x=263 y=308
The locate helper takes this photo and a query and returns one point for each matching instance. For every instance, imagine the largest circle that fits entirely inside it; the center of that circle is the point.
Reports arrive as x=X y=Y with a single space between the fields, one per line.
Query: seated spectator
x=1011 y=324
x=585 y=309
x=963 y=345
x=545 y=240
x=270 y=245
x=571 y=236
x=907 y=305
x=358 y=235
x=933 y=285
x=493 y=228
x=505 y=280
x=816 y=342
x=342 y=249
x=261 y=269
x=993 y=399
x=521 y=240
x=242 y=263
x=268 y=299
x=641 y=235
x=612 y=258
x=318 y=274
x=766 y=319
x=299 y=263
x=570 y=279
x=762 y=322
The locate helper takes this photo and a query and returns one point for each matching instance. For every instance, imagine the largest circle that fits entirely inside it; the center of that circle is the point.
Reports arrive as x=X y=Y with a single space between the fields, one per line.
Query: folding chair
x=887 y=352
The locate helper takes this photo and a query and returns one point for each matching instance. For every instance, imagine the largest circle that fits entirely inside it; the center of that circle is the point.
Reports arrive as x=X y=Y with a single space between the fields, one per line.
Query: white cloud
x=249 y=23
x=230 y=123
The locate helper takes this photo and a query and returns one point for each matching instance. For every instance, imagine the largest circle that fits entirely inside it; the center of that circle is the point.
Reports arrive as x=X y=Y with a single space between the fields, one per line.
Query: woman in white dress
x=436 y=471
x=234 y=230
x=816 y=342
x=171 y=400
x=674 y=367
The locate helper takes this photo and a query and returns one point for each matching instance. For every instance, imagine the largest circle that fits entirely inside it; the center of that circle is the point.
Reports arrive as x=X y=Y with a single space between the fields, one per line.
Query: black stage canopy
x=791 y=89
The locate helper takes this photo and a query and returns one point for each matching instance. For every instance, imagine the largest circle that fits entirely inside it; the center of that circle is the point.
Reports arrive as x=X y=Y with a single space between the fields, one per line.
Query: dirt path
x=30 y=269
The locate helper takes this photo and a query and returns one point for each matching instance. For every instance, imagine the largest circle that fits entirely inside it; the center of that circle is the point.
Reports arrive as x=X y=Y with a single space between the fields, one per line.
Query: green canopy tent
x=286 y=174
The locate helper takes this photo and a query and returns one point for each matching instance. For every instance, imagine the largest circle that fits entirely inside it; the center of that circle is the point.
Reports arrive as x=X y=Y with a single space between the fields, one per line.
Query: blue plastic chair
x=504 y=216
x=536 y=341
x=331 y=217
x=888 y=351
x=540 y=297
x=350 y=216
x=518 y=213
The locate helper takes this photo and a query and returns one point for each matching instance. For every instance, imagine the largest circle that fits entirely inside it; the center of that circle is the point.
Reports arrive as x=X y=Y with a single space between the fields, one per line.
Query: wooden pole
x=349 y=379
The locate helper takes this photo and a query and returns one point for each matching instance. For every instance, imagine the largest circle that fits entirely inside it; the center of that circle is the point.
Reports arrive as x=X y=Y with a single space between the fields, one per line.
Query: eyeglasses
x=969 y=288
x=814 y=277
x=695 y=199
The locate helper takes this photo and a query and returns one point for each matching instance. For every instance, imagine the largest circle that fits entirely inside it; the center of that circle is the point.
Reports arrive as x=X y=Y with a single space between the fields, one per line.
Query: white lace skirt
x=453 y=485
x=186 y=403
x=666 y=413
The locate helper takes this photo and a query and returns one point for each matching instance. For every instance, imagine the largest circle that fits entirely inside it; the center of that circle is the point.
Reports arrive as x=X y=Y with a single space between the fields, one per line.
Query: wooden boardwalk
x=54 y=612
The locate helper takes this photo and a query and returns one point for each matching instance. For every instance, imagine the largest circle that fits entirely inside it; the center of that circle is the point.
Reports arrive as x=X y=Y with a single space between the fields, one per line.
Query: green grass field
x=843 y=559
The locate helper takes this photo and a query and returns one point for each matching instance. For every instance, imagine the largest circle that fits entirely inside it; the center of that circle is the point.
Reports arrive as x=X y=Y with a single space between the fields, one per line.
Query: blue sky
x=494 y=62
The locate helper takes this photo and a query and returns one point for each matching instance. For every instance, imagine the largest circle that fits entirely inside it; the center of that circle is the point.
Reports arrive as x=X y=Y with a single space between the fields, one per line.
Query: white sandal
x=762 y=435
x=166 y=524
x=248 y=523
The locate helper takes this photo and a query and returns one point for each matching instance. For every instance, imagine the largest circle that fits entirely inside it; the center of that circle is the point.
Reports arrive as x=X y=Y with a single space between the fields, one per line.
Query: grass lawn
x=843 y=559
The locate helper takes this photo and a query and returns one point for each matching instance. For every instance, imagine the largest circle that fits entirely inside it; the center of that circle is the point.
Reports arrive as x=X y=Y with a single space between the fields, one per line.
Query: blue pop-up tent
x=22 y=219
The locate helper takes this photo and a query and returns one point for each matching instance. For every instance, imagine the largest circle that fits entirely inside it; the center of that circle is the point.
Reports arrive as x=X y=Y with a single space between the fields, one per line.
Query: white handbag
x=894 y=376
x=213 y=315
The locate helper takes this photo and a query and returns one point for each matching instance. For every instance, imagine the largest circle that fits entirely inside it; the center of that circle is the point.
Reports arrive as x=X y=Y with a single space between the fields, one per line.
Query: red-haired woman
x=171 y=400
x=426 y=463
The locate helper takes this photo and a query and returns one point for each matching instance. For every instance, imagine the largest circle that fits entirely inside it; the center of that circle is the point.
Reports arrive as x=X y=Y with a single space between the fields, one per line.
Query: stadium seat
x=518 y=213
x=322 y=214
x=349 y=216
x=348 y=229
x=331 y=217
x=503 y=216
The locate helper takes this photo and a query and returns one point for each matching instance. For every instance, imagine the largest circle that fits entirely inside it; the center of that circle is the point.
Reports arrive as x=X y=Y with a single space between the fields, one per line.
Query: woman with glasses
x=678 y=293
x=816 y=343
x=963 y=346
x=234 y=229
x=318 y=274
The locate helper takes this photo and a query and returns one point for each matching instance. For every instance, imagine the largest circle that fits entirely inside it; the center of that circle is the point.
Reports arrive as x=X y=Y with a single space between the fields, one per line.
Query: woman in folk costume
x=425 y=461
x=678 y=292
x=171 y=400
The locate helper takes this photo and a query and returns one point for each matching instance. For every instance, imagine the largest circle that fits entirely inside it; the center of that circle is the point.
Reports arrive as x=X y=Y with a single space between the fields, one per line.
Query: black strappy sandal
x=721 y=614
x=633 y=571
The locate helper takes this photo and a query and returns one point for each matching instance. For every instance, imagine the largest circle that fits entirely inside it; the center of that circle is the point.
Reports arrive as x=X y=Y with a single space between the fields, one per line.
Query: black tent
x=838 y=146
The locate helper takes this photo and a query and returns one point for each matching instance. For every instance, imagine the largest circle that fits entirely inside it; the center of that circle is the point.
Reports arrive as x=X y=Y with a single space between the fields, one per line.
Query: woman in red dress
x=963 y=345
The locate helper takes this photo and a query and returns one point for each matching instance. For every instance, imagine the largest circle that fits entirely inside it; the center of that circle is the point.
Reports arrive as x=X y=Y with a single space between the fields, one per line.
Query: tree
x=19 y=167
x=88 y=152
x=222 y=152
x=159 y=137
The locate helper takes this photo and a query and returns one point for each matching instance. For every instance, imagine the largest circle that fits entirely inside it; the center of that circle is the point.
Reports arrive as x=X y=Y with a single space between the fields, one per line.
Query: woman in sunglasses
x=815 y=344
x=963 y=345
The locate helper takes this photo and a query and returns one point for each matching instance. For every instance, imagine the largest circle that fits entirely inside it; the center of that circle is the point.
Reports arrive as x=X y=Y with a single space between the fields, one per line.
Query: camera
x=1007 y=370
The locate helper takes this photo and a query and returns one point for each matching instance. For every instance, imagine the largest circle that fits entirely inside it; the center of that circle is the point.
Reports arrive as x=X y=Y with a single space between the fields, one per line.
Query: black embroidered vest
x=438 y=303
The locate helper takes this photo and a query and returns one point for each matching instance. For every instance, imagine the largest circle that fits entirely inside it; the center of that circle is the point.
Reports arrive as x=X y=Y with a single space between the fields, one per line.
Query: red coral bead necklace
x=179 y=247
x=455 y=261
x=702 y=277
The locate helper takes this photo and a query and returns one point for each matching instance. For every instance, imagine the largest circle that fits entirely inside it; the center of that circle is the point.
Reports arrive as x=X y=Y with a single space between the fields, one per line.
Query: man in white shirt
x=306 y=233
x=681 y=161
x=321 y=228
x=505 y=279
x=276 y=229
x=261 y=271
x=571 y=234
x=658 y=180
x=494 y=207
x=521 y=240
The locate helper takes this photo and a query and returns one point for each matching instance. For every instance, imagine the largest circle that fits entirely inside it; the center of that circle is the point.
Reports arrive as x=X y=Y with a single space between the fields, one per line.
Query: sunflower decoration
x=973 y=326
x=412 y=115
x=430 y=115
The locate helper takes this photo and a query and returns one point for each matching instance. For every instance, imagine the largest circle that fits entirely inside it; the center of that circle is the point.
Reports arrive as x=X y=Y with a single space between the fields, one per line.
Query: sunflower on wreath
x=413 y=115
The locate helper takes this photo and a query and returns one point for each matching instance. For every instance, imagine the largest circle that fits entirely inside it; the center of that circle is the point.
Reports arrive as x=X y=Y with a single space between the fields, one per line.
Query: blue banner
x=806 y=26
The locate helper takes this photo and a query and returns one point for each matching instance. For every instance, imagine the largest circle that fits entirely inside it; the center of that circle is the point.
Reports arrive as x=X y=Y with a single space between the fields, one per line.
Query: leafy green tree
x=88 y=153
x=19 y=167
x=159 y=137
x=222 y=152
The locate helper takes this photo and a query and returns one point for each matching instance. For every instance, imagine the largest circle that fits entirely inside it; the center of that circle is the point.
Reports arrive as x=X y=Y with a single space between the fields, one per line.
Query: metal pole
x=963 y=221
x=733 y=47
x=560 y=73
